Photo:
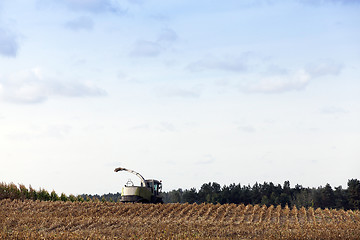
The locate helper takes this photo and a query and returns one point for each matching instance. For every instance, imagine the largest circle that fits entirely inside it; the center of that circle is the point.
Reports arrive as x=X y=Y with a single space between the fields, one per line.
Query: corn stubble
x=29 y=219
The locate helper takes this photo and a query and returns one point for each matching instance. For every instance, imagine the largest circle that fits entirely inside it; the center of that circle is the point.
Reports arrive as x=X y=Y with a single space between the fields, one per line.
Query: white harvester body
x=148 y=192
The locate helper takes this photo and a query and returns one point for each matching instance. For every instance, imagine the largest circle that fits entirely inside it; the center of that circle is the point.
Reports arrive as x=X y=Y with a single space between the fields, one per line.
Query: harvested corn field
x=106 y=220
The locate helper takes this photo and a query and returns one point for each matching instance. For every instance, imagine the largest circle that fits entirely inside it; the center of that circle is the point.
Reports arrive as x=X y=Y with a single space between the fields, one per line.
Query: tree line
x=266 y=193
x=271 y=194
x=21 y=192
x=12 y=191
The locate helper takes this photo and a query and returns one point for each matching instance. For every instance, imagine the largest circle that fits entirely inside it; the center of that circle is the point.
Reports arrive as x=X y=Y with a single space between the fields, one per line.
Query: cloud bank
x=279 y=84
x=286 y=81
x=31 y=87
x=324 y=69
x=244 y=69
x=145 y=48
x=179 y=92
x=332 y=110
x=80 y=23
x=234 y=64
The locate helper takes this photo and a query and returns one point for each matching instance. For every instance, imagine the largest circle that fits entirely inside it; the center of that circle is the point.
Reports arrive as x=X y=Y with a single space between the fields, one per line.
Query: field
x=106 y=220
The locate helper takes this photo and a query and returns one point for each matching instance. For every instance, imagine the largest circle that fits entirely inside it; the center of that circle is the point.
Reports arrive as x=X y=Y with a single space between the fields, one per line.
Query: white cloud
x=324 y=69
x=93 y=6
x=278 y=80
x=138 y=2
x=206 y=159
x=229 y=63
x=146 y=49
x=276 y=70
x=278 y=84
x=81 y=23
x=165 y=39
x=248 y=129
x=345 y=2
x=179 y=92
x=167 y=35
x=1 y=89
x=160 y=17
x=140 y=127
x=57 y=131
x=285 y=81
x=32 y=87
x=167 y=127
x=332 y=110
x=266 y=79
x=8 y=43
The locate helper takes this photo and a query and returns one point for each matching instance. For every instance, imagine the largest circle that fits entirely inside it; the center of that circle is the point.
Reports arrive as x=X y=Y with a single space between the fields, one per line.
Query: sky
x=187 y=92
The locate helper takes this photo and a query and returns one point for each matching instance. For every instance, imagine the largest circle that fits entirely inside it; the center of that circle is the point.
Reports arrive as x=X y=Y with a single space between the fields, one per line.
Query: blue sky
x=183 y=91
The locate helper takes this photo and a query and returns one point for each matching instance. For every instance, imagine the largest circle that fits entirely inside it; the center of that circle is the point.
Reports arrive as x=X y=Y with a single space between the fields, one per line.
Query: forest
x=263 y=194
x=271 y=194
x=266 y=193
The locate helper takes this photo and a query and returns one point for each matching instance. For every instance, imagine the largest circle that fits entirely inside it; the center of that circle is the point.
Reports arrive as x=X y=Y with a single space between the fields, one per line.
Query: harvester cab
x=149 y=190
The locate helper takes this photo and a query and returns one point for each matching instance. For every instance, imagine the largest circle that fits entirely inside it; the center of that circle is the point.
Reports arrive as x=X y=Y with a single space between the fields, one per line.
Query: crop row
x=95 y=220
